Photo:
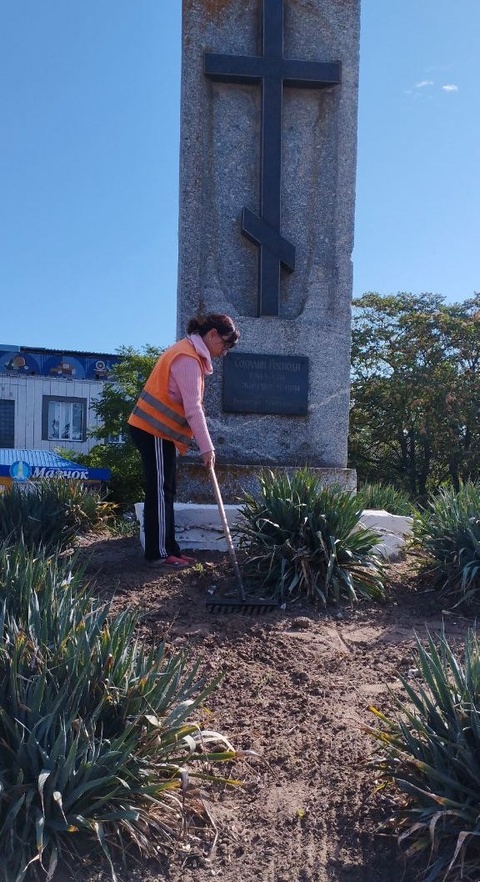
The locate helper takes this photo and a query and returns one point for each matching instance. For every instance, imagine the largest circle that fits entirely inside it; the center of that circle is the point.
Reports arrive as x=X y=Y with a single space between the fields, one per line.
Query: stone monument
x=267 y=198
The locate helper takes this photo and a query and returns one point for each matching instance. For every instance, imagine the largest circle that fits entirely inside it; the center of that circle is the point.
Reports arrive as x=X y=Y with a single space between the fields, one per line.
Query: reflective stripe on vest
x=162 y=408
x=157 y=424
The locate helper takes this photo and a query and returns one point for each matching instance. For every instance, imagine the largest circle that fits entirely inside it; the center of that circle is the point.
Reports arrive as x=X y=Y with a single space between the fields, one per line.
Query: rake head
x=242 y=605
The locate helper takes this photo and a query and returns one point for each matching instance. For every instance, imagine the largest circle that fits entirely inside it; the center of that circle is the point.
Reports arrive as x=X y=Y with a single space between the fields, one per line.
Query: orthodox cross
x=274 y=72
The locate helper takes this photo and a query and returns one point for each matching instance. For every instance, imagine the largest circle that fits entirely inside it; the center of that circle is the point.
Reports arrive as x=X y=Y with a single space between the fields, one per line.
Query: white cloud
x=423 y=83
x=450 y=88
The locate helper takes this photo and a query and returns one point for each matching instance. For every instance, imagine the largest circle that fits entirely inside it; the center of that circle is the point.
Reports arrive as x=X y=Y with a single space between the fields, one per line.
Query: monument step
x=235 y=479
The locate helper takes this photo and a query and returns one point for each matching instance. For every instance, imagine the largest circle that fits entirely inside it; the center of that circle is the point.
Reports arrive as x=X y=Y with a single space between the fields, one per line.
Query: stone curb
x=199 y=527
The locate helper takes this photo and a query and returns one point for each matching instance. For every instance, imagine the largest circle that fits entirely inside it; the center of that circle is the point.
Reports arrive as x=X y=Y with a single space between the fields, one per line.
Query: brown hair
x=222 y=323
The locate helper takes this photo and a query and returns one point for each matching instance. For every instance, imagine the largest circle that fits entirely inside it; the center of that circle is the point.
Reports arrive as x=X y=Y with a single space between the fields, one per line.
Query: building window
x=64 y=419
x=7 y=422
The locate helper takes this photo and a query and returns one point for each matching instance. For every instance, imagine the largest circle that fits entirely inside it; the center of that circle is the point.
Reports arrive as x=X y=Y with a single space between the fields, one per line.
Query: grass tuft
x=99 y=741
x=306 y=541
x=430 y=752
x=50 y=514
x=447 y=532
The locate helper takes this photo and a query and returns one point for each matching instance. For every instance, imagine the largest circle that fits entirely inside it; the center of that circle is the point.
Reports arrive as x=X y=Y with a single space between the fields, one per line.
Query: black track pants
x=159 y=459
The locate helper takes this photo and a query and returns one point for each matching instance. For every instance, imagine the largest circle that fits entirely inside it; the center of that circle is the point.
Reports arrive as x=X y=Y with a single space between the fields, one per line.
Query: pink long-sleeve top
x=185 y=386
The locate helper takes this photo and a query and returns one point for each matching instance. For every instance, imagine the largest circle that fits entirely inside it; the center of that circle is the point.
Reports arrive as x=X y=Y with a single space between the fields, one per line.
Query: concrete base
x=198 y=527
x=194 y=485
x=394 y=529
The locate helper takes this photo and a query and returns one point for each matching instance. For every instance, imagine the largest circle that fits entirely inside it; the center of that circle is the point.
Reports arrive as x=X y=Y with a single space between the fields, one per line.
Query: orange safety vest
x=155 y=411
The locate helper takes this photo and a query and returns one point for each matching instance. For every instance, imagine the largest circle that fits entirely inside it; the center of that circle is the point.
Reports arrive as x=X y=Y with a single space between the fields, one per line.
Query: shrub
x=306 y=540
x=385 y=497
x=431 y=752
x=50 y=513
x=448 y=532
x=126 y=482
x=95 y=727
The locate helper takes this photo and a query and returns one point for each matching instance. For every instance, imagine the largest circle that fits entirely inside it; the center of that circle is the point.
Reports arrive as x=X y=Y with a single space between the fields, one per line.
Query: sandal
x=175 y=563
x=168 y=563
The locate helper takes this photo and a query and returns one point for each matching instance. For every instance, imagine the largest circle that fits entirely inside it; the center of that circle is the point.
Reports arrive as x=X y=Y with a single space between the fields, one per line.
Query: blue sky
x=89 y=140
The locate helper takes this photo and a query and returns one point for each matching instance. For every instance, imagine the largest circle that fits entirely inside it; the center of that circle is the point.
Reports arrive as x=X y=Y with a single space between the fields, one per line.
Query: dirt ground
x=297 y=686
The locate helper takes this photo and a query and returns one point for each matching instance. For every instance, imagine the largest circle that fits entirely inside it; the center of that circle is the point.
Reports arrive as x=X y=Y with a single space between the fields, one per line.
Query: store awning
x=32 y=465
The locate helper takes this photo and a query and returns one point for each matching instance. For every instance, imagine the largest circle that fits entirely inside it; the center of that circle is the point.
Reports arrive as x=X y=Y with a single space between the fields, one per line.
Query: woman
x=168 y=414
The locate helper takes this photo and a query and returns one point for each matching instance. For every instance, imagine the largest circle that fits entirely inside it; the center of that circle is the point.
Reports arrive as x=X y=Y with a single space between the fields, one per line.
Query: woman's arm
x=186 y=385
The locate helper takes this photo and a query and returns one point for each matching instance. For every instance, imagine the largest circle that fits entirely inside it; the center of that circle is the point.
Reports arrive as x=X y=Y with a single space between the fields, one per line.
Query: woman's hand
x=208 y=458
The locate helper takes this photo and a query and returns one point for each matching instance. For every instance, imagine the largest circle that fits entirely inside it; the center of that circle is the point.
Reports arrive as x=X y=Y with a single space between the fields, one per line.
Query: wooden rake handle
x=226 y=530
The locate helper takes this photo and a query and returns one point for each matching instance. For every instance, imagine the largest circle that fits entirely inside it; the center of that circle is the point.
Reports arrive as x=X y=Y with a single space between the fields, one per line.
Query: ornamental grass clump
x=44 y=596
x=385 y=497
x=430 y=752
x=306 y=541
x=85 y=509
x=99 y=747
x=448 y=533
x=50 y=513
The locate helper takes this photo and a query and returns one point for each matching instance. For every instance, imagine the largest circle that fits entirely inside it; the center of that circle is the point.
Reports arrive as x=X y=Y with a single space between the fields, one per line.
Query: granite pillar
x=291 y=368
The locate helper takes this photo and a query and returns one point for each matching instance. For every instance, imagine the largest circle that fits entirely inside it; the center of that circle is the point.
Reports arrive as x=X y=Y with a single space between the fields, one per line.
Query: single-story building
x=46 y=397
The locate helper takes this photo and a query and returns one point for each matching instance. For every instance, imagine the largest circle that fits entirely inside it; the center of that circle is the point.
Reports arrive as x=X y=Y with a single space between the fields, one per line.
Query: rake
x=241 y=603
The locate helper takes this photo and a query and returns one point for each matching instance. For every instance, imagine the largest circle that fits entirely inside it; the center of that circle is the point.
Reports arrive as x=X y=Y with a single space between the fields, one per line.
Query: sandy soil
x=297 y=688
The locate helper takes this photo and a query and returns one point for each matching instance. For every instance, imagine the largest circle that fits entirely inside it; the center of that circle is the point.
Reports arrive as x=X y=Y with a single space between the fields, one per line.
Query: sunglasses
x=228 y=342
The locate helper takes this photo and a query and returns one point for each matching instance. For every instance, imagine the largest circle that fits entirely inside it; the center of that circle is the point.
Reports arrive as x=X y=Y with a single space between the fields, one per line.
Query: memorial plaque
x=255 y=383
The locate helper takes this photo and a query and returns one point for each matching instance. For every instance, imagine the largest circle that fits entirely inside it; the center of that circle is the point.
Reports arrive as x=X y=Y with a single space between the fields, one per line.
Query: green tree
x=116 y=450
x=415 y=391
x=460 y=325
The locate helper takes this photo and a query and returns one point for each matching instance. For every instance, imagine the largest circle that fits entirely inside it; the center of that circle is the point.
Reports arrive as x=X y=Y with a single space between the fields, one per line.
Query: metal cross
x=274 y=72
